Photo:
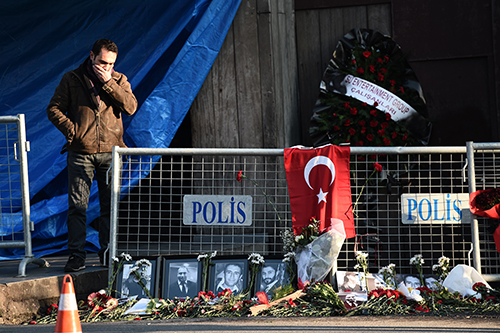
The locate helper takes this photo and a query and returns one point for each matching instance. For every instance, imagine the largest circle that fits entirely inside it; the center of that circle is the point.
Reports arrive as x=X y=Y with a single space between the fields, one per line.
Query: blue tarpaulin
x=166 y=49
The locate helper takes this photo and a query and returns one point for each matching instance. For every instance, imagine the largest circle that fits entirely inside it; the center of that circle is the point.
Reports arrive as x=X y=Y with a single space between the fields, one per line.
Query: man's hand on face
x=102 y=74
x=102 y=64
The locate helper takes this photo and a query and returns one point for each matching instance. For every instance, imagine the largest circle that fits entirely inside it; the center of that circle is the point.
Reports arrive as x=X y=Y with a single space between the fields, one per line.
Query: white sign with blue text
x=442 y=208
x=217 y=210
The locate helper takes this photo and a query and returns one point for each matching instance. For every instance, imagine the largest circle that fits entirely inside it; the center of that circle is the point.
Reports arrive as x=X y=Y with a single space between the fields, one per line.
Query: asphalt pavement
x=473 y=324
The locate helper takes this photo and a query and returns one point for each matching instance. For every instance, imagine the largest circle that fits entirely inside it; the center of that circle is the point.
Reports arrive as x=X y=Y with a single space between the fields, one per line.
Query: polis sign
x=217 y=210
x=442 y=208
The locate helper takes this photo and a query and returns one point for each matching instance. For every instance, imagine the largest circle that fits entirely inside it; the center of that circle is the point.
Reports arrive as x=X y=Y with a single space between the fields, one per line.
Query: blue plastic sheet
x=166 y=49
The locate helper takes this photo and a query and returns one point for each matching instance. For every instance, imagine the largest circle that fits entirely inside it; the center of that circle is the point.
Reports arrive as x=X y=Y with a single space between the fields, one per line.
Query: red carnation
x=361 y=123
x=380 y=77
x=369 y=137
x=402 y=89
x=375 y=104
x=422 y=308
x=387 y=142
x=380 y=61
x=336 y=128
x=238 y=177
x=381 y=132
x=373 y=123
x=383 y=70
x=386 y=58
x=379 y=168
x=353 y=61
x=363 y=129
x=478 y=285
x=360 y=70
x=384 y=125
x=347 y=122
x=352 y=131
x=373 y=112
x=354 y=111
x=371 y=68
x=346 y=105
x=388 y=116
x=366 y=54
x=394 y=135
x=359 y=143
x=392 y=83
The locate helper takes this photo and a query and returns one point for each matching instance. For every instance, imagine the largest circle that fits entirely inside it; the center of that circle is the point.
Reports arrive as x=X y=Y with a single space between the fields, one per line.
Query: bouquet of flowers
x=486 y=203
x=315 y=250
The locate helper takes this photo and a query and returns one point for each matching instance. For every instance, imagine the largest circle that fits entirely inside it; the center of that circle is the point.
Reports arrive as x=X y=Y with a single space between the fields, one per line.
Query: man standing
x=183 y=287
x=86 y=108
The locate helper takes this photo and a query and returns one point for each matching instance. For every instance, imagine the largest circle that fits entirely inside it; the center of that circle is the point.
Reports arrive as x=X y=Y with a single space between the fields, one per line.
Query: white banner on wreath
x=368 y=92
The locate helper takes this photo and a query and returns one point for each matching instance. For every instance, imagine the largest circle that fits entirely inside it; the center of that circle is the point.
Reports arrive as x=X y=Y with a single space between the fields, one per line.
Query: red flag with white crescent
x=319 y=186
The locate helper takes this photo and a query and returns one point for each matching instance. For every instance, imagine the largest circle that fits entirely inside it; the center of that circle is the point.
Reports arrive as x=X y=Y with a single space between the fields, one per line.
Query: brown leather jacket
x=91 y=124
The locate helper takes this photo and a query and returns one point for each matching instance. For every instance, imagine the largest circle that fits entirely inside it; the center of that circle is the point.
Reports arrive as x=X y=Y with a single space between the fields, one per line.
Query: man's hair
x=182 y=267
x=347 y=275
x=104 y=44
x=273 y=266
x=232 y=264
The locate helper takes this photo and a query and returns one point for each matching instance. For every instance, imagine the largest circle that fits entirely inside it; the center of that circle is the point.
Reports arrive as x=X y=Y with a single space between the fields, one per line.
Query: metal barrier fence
x=16 y=225
x=483 y=161
x=148 y=220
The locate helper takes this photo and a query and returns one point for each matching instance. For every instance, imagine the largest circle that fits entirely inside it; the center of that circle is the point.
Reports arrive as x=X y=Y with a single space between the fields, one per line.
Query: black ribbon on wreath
x=369 y=95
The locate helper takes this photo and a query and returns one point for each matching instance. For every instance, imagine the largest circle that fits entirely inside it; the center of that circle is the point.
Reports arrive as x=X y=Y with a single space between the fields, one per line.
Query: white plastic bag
x=317 y=258
x=461 y=278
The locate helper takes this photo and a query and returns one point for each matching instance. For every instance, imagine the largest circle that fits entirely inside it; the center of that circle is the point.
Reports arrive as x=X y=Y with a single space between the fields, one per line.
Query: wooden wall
x=249 y=99
x=265 y=81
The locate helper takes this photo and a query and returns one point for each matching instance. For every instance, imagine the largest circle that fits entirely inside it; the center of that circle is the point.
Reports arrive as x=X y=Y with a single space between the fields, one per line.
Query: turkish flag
x=319 y=186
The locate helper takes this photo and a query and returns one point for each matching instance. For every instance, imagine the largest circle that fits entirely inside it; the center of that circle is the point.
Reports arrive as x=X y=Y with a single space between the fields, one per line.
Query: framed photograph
x=375 y=281
x=272 y=276
x=432 y=281
x=353 y=299
x=412 y=281
x=127 y=283
x=349 y=281
x=228 y=274
x=181 y=278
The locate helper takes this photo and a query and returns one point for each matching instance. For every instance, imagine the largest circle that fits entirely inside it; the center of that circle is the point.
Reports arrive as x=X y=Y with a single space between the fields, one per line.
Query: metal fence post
x=115 y=195
x=474 y=223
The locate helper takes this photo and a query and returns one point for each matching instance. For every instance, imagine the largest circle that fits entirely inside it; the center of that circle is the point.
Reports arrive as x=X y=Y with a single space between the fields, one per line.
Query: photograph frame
x=282 y=276
x=170 y=288
x=217 y=275
x=352 y=283
x=123 y=283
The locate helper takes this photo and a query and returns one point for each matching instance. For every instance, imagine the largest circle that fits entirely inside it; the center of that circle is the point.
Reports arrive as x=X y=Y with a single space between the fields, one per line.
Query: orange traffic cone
x=68 y=320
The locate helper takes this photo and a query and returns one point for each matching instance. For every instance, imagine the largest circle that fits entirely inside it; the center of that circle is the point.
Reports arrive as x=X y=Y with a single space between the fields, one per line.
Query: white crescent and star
x=313 y=162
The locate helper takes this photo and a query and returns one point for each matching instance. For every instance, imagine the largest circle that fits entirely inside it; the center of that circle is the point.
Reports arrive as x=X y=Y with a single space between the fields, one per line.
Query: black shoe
x=74 y=264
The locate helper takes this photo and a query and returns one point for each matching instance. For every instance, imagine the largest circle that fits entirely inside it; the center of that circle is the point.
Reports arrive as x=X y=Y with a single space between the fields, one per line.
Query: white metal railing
x=147 y=216
x=16 y=224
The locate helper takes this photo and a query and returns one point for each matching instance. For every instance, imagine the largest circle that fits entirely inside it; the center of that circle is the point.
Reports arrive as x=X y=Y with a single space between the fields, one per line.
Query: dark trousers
x=81 y=170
